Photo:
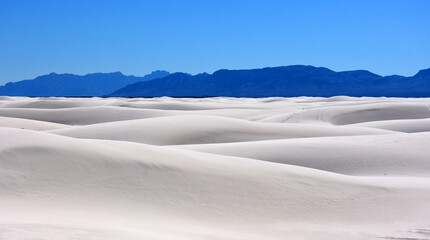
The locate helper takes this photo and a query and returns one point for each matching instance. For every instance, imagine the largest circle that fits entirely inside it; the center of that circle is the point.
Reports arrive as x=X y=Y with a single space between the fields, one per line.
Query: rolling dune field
x=215 y=168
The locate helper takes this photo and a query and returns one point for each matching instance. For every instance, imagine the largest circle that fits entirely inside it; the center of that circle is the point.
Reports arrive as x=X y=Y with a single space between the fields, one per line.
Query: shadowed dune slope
x=379 y=155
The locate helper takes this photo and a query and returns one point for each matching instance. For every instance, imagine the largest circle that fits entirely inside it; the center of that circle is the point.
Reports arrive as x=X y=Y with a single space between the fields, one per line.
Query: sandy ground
x=215 y=168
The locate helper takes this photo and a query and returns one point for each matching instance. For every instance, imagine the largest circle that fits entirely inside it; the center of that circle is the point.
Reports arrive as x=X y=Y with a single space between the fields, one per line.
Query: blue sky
x=136 y=37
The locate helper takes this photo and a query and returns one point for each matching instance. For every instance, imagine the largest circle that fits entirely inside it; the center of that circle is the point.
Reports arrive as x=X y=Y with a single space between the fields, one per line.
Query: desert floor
x=214 y=168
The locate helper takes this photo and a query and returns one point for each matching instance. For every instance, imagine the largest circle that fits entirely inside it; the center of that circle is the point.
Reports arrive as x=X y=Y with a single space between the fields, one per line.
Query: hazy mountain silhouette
x=290 y=81
x=96 y=84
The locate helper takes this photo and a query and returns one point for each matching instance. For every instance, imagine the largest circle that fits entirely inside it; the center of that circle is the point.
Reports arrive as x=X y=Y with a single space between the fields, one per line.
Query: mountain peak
x=423 y=73
x=159 y=71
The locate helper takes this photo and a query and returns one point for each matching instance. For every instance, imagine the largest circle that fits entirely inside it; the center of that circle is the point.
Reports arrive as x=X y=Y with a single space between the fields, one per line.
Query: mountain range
x=288 y=81
x=95 y=84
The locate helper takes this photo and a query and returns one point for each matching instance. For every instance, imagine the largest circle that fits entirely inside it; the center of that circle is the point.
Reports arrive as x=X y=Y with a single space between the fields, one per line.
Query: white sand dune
x=49 y=103
x=80 y=116
x=200 y=129
x=30 y=124
x=234 y=176
x=350 y=114
x=404 y=125
x=376 y=155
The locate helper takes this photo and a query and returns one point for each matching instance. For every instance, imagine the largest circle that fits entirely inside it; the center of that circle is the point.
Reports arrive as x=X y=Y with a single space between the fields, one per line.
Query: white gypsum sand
x=214 y=168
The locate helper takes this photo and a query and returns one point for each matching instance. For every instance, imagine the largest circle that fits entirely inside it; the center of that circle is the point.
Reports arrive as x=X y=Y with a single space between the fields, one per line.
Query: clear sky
x=136 y=37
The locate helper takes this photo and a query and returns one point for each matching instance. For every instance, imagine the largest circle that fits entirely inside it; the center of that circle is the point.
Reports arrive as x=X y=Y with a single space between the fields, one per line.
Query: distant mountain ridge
x=289 y=81
x=95 y=84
